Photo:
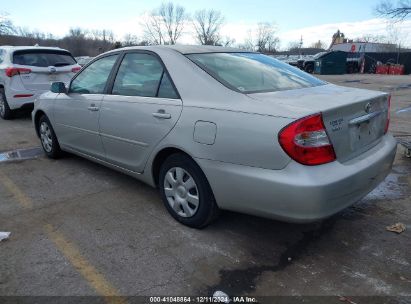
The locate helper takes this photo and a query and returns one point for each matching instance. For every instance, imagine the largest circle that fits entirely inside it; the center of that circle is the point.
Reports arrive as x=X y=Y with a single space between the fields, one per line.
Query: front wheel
x=186 y=193
x=48 y=138
x=5 y=111
x=309 y=68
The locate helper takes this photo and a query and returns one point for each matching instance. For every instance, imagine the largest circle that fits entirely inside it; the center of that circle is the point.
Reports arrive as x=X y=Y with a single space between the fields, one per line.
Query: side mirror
x=58 y=87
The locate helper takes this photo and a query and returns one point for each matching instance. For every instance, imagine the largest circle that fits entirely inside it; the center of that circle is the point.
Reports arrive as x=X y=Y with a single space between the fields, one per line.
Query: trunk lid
x=41 y=78
x=355 y=119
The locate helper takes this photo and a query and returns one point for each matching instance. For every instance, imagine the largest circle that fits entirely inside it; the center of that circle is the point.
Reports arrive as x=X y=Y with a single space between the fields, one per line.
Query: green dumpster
x=331 y=63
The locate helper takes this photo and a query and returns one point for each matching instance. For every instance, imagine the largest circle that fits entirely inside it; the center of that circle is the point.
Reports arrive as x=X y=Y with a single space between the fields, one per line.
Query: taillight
x=10 y=72
x=306 y=141
x=388 y=114
x=76 y=69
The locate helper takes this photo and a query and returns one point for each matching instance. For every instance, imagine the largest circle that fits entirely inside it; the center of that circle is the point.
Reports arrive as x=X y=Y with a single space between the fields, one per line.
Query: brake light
x=10 y=72
x=388 y=115
x=76 y=69
x=306 y=141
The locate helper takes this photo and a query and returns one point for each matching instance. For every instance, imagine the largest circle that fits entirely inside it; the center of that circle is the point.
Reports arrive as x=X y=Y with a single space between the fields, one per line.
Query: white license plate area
x=53 y=78
x=366 y=132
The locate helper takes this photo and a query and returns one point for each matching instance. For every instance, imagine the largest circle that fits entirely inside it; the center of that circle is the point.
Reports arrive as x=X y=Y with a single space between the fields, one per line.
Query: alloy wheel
x=45 y=136
x=181 y=192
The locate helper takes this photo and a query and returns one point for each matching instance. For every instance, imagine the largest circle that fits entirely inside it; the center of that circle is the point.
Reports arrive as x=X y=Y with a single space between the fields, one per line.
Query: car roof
x=188 y=49
x=18 y=48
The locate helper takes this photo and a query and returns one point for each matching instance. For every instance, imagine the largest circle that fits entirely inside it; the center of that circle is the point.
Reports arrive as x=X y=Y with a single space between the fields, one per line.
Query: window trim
x=119 y=55
x=116 y=68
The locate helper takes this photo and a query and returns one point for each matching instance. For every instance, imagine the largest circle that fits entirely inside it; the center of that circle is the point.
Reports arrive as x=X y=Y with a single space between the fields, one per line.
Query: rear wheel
x=48 y=138
x=186 y=193
x=5 y=111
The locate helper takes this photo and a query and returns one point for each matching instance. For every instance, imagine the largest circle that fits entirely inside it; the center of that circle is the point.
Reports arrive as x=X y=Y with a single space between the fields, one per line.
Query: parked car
x=26 y=72
x=219 y=128
x=309 y=63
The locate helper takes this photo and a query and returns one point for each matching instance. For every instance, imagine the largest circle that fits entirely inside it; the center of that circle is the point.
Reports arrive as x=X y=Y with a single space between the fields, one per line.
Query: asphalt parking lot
x=79 y=228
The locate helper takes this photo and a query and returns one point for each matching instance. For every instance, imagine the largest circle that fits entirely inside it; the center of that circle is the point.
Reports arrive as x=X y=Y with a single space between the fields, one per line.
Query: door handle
x=93 y=108
x=162 y=115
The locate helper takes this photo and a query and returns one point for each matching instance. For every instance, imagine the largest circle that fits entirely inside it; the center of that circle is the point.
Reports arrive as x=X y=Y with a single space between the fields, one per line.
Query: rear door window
x=166 y=89
x=43 y=58
x=93 y=79
x=143 y=75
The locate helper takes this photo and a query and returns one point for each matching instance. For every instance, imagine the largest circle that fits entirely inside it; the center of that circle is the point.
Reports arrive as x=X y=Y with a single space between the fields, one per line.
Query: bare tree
x=77 y=32
x=173 y=18
x=266 y=40
x=293 y=45
x=165 y=24
x=249 y=43
x=103 y=34
x=207 y=25
x=226 y=41
x=318 y=45
x=130 y=39
x=6 y=26
x=263 y=39
x=153 y=29
x=398 y=11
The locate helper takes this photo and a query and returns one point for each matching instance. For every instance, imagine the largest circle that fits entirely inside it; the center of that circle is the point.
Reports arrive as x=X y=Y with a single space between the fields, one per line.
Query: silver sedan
x=217 y=128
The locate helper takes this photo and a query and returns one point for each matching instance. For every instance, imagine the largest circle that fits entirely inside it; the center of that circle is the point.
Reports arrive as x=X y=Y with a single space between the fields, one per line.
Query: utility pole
x=301 y=45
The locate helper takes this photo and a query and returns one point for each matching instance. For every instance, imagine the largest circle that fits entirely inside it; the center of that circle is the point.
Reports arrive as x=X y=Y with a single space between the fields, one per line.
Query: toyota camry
x=219 y=128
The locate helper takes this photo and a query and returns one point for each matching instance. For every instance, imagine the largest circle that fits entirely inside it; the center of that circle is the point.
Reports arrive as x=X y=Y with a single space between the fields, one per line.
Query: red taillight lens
x=306 y=141
x=76 y=69
x=388 y=114
x=10 y=72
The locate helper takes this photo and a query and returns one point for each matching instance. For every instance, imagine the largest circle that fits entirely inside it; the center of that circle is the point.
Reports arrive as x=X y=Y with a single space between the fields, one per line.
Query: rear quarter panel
x=241 y=138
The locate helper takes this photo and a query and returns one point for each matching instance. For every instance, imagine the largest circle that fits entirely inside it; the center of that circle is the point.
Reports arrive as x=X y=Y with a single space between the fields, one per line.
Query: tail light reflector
x=306 y=141
x=10 y=72
x=23 y=95
x=76 y=69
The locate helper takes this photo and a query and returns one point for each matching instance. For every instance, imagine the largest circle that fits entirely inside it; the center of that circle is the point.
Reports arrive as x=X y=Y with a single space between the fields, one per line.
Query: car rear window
x=43 y=58
x=253 y=72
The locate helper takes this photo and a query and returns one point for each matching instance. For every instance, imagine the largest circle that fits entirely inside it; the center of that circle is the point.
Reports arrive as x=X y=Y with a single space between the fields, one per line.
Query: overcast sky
x=313 y=20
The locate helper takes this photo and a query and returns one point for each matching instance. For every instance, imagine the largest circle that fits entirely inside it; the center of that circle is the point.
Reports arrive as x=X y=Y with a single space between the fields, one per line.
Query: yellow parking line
x=68 y=249
x=93 y=277
x=21 y=198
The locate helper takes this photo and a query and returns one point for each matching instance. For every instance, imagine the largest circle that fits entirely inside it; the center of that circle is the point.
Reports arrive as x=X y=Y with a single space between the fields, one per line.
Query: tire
x=309 y=68
x=5 y=111
x=48 y=138
x=186 y=192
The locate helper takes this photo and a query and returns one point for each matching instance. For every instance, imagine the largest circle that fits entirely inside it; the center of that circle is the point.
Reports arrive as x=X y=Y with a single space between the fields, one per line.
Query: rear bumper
x=16 y=102
x=299 y=193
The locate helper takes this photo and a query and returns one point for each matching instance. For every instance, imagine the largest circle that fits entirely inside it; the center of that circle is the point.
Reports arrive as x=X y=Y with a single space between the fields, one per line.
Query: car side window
x=142 y=75
x=166 y=89
x=93 y=79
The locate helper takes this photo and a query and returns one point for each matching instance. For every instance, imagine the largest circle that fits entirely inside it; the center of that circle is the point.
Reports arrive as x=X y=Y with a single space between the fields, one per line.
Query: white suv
x=28 y=71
